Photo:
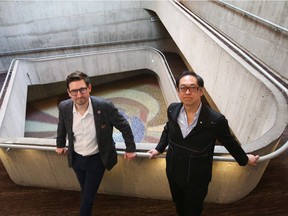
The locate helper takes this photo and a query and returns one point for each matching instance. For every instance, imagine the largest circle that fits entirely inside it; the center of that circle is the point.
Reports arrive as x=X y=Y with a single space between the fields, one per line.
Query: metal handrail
x=259 y=67
x=237 y=49
x=139 y=154
x=263 y=158
x=246 y=13
x=166 y=64
x=6 y=79
x=10 y=145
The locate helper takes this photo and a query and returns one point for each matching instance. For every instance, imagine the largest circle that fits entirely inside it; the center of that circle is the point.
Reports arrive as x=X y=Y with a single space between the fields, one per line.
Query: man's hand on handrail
x=153 y=153
x=252 y=159
x=61 y=151
x=130 y=155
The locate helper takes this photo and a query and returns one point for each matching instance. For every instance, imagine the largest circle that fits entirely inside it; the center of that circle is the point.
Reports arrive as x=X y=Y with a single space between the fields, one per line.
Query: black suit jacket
x=106 y=116
x=190 y=159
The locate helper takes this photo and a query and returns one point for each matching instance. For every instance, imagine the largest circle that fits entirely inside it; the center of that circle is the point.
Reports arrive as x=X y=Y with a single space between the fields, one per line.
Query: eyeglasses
x=192 y=88
x=75 y=92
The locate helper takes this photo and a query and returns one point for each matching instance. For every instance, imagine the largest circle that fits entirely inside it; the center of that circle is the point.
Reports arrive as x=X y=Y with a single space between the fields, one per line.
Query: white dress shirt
x=84 y=130
x=183 y=121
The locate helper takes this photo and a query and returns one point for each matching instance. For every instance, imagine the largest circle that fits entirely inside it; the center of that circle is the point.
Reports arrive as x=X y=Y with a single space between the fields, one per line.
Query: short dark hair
x=189 y=73
x=77 y=76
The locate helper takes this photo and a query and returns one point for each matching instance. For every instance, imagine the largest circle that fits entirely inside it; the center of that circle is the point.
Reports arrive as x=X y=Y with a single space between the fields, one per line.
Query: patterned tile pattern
x=139 y=99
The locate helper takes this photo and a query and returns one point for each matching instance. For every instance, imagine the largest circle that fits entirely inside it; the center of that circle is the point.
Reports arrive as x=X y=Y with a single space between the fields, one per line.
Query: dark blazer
x=190 y=159
x=106 y=116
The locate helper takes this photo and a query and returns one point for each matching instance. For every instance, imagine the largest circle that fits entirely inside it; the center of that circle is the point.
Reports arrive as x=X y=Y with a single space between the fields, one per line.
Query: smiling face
x=79 y=92
x=189 y=91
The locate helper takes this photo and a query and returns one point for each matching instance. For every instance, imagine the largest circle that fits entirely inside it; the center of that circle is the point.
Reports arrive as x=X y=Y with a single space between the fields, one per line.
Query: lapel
x=173 y=113
x=69 y=115
x=97 y=116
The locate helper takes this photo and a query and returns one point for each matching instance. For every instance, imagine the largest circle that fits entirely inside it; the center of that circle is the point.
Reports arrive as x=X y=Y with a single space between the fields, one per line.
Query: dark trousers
x=188 y=197
x=89 y=171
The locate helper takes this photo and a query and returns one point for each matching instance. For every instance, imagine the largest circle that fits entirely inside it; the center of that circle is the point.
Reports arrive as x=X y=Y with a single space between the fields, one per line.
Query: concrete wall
x=230 y=81
x=239 y=91
x=264 y=42
x=12 y=112
x=47 y=169
x=59 y=27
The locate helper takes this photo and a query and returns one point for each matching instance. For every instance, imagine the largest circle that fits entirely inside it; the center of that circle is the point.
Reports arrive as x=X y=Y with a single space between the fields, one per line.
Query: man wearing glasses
x=190 y=135
x=88 y=122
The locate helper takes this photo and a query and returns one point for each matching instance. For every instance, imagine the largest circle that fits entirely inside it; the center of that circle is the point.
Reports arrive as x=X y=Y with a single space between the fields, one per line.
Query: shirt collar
x=197 y=112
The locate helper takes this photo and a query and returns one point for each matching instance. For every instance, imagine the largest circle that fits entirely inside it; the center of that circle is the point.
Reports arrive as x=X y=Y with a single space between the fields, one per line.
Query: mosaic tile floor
x=139 y=99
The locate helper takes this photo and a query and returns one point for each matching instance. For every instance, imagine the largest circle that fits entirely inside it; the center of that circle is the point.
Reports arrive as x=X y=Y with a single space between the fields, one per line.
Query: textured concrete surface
x=268 y=198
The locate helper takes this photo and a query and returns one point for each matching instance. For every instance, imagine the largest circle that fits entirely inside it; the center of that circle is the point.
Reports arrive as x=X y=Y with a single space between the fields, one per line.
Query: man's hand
x=130 y=155
x=61 y=151
x=153 y=153
x=253 y=159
